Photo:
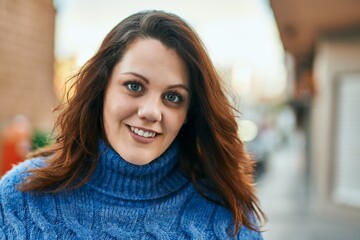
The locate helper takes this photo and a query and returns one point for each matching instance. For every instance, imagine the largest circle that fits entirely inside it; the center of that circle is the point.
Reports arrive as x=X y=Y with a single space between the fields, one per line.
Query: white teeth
x=142 y=133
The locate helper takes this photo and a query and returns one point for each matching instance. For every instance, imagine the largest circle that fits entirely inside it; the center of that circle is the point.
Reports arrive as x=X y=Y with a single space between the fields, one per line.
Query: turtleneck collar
x=117 y=177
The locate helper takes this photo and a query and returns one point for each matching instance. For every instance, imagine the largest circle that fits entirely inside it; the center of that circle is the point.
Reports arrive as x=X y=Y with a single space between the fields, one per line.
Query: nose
x=150 y=110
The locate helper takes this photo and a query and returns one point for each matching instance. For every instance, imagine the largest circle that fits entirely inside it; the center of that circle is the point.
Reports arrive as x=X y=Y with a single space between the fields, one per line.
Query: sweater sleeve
x=12 y=214
x=248 y=234
x=2 y=223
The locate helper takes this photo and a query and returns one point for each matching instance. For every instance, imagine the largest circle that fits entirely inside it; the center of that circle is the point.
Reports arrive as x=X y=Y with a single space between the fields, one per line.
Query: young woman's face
x=146 y=101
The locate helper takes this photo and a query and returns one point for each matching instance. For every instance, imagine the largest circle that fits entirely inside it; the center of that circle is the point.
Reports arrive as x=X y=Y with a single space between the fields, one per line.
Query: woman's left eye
x=173 y=97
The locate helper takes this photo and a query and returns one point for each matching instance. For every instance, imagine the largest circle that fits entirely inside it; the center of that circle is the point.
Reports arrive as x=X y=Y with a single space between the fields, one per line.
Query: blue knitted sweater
x=121 y=201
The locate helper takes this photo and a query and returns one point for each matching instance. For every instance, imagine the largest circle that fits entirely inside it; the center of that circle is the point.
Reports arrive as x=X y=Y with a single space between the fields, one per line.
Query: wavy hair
x=211 y=152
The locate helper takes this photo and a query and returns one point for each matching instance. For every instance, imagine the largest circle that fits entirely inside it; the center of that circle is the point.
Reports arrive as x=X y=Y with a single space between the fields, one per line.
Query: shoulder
x=246 y=233
x=19 y=173
x=13 y=210
x=201 y=213
x=10 y=196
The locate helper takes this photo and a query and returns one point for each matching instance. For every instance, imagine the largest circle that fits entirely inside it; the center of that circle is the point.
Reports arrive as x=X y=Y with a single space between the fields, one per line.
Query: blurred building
x=64 y=70
x=26 y=62
x=322 y=41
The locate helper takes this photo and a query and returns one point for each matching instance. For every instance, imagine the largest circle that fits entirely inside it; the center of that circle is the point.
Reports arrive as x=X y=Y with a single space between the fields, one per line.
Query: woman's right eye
x=134 y=86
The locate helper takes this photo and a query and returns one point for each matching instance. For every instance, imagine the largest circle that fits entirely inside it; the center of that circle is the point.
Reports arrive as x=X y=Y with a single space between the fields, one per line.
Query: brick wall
x=27 y=60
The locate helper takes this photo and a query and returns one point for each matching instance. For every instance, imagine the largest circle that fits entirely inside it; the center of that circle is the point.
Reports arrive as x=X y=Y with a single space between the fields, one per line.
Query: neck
x=119 y=178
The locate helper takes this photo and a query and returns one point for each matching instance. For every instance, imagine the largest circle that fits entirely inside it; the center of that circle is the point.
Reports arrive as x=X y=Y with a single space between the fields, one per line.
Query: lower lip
x=140 y=139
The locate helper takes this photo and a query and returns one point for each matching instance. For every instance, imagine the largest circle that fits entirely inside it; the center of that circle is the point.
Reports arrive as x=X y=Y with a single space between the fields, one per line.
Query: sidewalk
x=283 y=195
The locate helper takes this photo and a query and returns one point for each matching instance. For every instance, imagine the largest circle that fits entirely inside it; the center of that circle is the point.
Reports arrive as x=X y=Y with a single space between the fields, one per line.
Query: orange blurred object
x=16 y=141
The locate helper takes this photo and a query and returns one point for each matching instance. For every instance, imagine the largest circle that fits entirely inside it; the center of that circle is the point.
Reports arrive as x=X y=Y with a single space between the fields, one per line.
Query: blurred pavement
x=286 y=201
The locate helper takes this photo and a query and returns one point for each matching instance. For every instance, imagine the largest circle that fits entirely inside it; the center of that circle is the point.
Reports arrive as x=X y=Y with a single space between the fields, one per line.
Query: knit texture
x=121 y=201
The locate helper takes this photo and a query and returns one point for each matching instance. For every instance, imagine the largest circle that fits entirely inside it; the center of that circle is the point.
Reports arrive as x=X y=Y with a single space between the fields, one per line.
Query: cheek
x=116 y=106
x=112 y=114
x=176 y=121
x=108 y=113
x=107 y=120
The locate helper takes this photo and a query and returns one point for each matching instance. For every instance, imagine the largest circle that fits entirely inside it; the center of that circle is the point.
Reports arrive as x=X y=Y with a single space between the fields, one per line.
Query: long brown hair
x=212 y=153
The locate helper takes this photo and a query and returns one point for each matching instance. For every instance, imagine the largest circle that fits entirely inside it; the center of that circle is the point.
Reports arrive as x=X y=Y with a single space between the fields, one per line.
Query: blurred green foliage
x=40 y=139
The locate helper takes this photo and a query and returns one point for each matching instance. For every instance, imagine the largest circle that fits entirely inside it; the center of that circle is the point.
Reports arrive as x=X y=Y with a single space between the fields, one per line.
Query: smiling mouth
x=142 y=133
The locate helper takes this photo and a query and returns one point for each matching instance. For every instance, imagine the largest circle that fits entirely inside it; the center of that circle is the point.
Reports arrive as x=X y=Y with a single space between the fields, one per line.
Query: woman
x=146 y=148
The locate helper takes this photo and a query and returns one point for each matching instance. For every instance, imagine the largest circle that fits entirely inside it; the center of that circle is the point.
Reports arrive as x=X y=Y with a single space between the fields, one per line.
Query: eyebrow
x=147 y=81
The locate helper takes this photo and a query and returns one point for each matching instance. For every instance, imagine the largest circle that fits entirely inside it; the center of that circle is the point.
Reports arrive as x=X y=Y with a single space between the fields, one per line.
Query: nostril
x=150 y=113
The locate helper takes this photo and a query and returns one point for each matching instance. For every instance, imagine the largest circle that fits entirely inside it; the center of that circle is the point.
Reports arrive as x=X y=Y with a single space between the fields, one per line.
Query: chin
x=143 y=160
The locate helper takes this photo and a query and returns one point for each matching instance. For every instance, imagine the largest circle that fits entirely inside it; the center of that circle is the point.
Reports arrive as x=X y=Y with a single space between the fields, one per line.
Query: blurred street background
x=292 y=67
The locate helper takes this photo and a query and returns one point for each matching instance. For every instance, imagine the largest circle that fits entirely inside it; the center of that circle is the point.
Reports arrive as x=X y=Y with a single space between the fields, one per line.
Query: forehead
x=151 y=58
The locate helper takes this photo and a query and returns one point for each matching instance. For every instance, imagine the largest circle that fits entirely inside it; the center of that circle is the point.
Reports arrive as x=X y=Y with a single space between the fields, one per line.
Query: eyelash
x=129 y=85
